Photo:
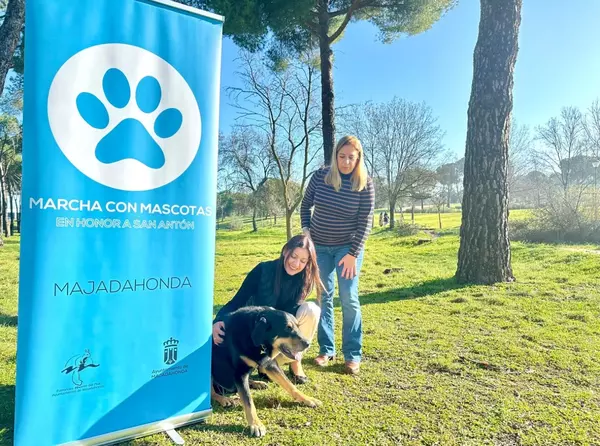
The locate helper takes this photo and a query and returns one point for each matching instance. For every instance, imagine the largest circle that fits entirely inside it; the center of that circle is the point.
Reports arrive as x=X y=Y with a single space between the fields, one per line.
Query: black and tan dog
x=253 y=337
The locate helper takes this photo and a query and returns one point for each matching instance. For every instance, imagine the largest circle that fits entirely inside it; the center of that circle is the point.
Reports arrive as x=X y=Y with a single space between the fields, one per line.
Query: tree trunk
x=440 y=218
x=10 y=34
x=2 y=230
x=392 y=214
x=11 y=211
x=484 y=255
x=19 y=217
x=254 y=227
x=288 y=223
x=327 y=99
x=3 y=211
x=11 y=200
x=412 y=214
x=422 y=206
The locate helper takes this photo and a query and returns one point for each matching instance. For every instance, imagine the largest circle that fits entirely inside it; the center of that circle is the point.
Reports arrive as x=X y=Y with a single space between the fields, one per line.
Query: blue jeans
x=328 y=258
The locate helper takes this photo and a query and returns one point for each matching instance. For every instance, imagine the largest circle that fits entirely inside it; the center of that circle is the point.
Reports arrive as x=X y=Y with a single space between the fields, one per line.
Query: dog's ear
x=258 y=333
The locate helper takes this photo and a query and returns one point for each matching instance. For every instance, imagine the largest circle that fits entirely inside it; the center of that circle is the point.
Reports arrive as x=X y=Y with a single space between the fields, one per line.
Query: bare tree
x=250 y=163
x=563 y=154
x=591 y=128
x=10 y=169
x=270 y=199
x=424 y=181
x=407 y=142
x=562 y=140
x=423 y=191
x=450 y=175
x=355 y=121
x=520 y=146
x=284 y=105
x=535 y=186
x=225 y=184
x=438 y=199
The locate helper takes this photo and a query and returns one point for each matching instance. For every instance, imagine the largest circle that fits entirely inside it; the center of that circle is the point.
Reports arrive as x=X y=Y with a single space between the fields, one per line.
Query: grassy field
x=511 y=364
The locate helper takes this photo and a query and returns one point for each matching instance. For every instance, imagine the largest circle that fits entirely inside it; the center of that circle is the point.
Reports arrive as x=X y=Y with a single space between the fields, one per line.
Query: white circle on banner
x=135 y=144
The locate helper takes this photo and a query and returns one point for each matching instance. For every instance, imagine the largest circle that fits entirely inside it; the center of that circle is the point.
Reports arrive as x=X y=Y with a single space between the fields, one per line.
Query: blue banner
x=118 y=226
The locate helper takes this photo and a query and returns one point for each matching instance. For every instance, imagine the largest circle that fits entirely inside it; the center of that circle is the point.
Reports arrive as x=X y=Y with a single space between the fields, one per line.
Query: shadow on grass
x=261 y=402
x=6 y=320
x=335 y=367
x=7 y=413
x=206 y=426
x=447 y=232
x=428 y=288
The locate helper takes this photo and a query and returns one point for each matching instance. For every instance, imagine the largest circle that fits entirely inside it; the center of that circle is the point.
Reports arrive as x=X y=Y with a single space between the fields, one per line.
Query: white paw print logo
x=124 y=117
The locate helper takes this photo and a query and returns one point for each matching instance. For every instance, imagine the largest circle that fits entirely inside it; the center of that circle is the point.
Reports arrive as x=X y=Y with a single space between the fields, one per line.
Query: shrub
x=556 y=224
x=405 y=229
x=236 y=223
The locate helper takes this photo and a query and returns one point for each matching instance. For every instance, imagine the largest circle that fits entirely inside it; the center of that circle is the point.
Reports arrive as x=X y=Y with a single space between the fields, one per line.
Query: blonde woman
x=343 y=198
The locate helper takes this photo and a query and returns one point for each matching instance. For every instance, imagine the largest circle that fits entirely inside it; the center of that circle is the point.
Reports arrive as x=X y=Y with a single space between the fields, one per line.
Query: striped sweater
x=339 y=218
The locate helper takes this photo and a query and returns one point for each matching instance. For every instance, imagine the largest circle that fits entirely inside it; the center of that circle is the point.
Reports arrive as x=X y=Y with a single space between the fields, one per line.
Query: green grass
x=9 y=270
x=510 y=364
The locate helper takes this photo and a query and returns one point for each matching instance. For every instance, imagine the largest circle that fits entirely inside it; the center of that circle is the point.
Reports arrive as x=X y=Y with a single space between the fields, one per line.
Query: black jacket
x=258 y=289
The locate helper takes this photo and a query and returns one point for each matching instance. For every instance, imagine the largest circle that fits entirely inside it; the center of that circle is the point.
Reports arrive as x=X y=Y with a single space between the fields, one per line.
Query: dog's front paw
x=312 y=402
x=228 y=402
x=258 y=385
x=258 y=429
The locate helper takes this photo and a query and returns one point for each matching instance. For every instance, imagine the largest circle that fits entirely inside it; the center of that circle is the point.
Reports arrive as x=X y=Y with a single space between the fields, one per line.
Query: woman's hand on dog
x=218 y=332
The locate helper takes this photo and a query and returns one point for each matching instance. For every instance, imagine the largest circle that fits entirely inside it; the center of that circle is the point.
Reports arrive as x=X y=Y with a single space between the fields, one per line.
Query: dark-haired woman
x=284 y=284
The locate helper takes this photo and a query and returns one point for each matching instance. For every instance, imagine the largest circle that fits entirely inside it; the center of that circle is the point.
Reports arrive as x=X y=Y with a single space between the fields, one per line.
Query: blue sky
x=558 y=65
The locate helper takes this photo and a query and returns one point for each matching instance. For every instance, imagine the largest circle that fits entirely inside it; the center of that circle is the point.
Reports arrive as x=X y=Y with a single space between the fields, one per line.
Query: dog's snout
x=300 y=342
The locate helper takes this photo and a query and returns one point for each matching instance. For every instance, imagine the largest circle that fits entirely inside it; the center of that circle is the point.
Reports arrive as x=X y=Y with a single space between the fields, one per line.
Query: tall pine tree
x=484 y=254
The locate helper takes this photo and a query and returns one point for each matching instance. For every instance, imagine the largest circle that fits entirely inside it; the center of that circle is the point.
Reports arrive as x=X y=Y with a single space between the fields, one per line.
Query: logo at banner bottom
x=170 y=352
x=77 y=364
x=124 y=117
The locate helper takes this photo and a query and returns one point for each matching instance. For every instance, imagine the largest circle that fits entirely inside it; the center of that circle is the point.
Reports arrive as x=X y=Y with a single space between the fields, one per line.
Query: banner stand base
x=145 y=430
x=172 y=433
